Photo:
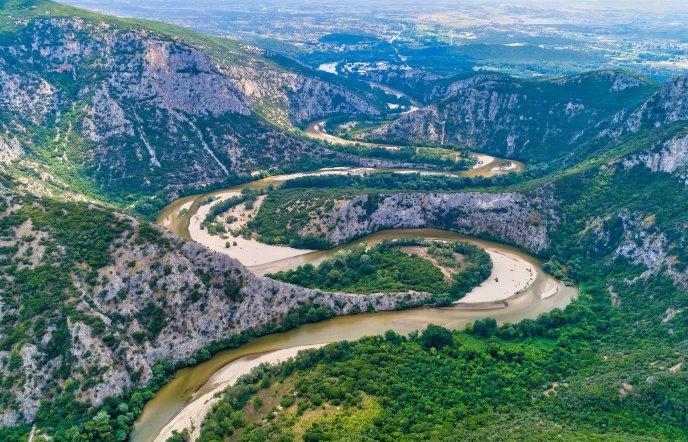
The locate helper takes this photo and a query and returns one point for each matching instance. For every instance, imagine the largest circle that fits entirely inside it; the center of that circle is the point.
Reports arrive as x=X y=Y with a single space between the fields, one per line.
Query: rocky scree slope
x=113 y=108
x=91 y=299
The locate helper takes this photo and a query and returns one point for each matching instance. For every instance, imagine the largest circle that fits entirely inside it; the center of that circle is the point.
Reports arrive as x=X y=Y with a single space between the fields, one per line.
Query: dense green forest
x=391 y=267
x=92 y=298
x=608 y=367
x=578 y=374
x=382 y=268
x=437 y=157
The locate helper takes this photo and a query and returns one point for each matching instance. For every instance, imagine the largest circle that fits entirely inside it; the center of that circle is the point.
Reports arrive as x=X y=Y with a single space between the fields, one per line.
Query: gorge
x=152 y=178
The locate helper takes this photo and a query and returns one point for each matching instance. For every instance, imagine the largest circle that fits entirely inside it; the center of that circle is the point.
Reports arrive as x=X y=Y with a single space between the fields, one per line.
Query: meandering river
x=487 y=165
x=543 y=294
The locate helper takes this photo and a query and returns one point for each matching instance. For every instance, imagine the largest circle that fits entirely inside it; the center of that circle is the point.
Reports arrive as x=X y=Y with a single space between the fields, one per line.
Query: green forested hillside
x=609 y=367
x=535 y=121
x=101 y=116
x=98 y=309
x=398 y=266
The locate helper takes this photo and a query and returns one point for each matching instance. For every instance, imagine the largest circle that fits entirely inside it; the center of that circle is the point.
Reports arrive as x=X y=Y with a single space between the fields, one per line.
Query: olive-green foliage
x=546 y=375
x=282 y=213
x=475 y=268
x=382 y=268
x=385 y=268
x=440 y=158
x=590 y=372
x=85 y=233
x=435 y=336
x=152 y=318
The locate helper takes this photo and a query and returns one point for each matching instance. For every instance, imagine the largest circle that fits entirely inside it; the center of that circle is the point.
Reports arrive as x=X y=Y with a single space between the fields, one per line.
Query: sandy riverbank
x=483 y=160
x=326 y=171
x=551 y=290
x=192 y=415
x=510 y=276
x=248 y=251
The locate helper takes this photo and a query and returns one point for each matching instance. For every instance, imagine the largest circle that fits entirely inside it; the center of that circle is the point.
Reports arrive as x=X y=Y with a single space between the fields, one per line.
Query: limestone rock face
x=129 y=105
x=670 y=156
x=509 y=217
x=522 y=119
x=668 y=105
x=159 y=297
x=10 y=149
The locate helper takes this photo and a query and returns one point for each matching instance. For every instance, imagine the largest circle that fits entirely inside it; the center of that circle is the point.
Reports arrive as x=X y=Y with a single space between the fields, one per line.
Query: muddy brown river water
x=543 y=295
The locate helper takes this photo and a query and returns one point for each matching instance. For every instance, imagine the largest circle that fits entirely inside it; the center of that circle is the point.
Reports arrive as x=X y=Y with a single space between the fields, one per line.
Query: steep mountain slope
x=92 y=300
x=97 y=307
x=668 y=105
x=602 y=203
x=523 y=119
x=113 y=107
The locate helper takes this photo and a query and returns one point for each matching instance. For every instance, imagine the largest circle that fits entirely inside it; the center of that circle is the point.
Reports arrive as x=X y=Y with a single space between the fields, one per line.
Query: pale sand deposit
x=510 y=276
x=326 y=171
x=192 y=415
x=424 y=172
x=483 y=160
x=248 y=251
x=551 y=291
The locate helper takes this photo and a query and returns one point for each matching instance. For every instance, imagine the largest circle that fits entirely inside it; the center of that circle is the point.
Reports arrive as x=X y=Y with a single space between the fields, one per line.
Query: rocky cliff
x=668 y=105
x=510 y=217
x=631 y=209
x=668 y=156
x=94 y=300
x=115 y=107
x=523 y=119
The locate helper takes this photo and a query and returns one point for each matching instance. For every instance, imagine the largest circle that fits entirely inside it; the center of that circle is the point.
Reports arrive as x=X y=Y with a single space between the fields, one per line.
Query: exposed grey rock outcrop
x=668 y=105
x=127 y=105
x=644 y=245
x=670 y=156
x=521 y=119
x=10 y=149
x=160 y=297
x=510 y=217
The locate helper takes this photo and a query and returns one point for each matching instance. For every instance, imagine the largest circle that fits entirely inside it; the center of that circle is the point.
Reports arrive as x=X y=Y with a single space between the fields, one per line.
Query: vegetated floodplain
x=446 y=270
